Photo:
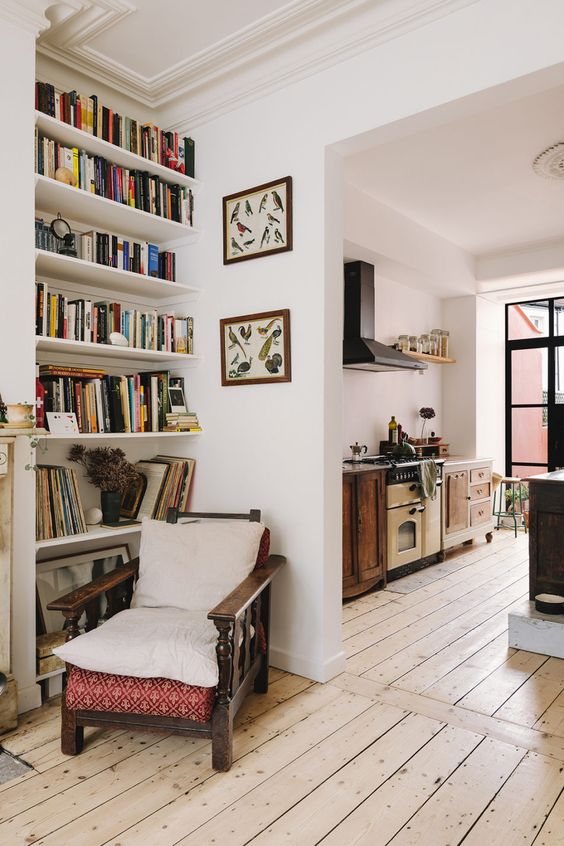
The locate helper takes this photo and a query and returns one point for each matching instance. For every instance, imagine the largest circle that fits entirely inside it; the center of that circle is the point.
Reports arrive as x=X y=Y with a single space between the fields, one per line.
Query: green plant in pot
x=110 y=471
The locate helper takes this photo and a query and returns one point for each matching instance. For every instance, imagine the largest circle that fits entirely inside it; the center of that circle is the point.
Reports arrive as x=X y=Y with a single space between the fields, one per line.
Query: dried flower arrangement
x=107 y=469
x=426 y=413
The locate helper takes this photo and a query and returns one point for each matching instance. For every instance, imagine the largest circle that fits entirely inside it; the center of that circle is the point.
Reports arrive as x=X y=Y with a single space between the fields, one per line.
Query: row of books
x=58 y=509
x=89 y=115
x=104 y=403
x=112 y=251
x=95 y=174
x=57 y=316
x=168 y=486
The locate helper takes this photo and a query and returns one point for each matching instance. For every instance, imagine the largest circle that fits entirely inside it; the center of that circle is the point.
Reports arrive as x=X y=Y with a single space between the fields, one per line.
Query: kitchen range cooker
x=413 y=524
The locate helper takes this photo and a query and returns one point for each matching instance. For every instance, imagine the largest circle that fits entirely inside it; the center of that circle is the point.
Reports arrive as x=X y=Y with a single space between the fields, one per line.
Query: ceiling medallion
x=550 y=163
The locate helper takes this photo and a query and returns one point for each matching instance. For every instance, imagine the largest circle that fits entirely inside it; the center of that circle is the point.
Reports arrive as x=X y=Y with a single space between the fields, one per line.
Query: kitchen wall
x=369 y=399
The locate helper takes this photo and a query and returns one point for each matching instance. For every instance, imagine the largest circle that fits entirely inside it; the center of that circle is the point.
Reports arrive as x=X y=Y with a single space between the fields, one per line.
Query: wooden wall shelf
x=432 y=359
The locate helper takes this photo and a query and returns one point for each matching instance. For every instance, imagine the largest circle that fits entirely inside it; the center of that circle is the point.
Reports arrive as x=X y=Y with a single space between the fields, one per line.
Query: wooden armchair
x=242 y=620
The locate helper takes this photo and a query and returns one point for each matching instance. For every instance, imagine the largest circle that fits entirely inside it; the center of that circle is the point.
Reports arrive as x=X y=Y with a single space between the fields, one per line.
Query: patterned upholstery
x=264 y=549
x=90 y=691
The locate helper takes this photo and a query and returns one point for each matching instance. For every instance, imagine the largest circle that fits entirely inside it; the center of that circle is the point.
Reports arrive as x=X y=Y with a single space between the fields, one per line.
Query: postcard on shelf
x=61 y=423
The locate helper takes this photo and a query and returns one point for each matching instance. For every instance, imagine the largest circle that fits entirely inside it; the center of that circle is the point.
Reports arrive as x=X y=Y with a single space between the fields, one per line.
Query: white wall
x=369 y=399
x=279 y=447
x=490 y=381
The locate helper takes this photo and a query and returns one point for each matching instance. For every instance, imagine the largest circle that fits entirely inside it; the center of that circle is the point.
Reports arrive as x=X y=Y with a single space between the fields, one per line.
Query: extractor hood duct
x=360 y=350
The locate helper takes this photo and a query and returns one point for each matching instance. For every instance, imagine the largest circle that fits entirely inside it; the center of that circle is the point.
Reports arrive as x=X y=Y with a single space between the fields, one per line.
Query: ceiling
x=157 y=36
x=471 y=181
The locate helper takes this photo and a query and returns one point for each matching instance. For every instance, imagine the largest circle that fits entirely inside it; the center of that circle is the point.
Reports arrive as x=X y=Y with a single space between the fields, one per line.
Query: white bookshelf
x=147 y=289
x=94 y=533
x=113 y=436
x=110 y=351
x=69 y=136
x=101 y=213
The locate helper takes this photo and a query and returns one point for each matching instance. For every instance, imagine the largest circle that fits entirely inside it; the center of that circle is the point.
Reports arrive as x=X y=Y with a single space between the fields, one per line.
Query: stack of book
x=95 y=174
x=168 y=485
x=56 y=316
x=104 y=403
x=113 y=251
x=89 y=115
x=182 y=421
x=58 y=509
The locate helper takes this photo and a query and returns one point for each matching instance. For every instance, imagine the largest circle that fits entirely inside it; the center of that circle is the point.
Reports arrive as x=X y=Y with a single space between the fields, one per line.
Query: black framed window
x=534 y=366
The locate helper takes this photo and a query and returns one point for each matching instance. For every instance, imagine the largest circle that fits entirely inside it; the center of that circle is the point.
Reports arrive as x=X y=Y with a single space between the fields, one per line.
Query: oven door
x=404 y=535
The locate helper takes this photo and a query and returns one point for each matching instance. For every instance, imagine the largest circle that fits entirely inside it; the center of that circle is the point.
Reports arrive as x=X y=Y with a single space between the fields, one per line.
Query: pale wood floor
x=437 y=734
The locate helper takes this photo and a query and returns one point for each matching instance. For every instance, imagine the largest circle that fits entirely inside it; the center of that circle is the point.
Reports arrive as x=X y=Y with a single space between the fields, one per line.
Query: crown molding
x=29 y=15
x=292 y=43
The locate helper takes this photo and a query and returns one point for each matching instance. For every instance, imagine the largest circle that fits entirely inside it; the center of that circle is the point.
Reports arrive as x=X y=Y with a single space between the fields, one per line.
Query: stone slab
x=535 y=632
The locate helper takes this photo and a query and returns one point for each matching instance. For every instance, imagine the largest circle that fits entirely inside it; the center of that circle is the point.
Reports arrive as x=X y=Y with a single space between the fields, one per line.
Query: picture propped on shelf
x=258 y=222
x=58 y=576
x=255 y=348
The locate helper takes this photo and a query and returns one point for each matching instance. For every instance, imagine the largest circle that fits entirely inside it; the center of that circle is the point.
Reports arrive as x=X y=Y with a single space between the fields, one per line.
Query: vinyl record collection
x=58 y=509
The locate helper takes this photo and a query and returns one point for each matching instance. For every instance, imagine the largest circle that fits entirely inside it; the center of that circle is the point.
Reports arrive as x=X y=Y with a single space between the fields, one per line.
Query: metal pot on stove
x=357 y=450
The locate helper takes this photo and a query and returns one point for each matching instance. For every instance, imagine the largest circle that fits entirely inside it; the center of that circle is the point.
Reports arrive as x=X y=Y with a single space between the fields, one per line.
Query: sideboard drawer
x=480 y=513
x=480 y=474
x=482 y=491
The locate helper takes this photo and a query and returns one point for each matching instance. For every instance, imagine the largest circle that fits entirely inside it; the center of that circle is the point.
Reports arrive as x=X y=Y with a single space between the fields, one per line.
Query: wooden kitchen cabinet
x=467 y=501
x=364 y=530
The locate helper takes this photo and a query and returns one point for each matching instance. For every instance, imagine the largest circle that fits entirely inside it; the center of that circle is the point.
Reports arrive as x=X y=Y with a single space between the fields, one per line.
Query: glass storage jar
x=403 y=343
x=424 y=342
x=435 y=342
x=413 y=343
x=444 y=343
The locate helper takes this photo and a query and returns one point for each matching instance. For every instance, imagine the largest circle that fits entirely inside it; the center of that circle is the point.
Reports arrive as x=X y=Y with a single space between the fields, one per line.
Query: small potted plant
x=425 y=413
x=110 y=471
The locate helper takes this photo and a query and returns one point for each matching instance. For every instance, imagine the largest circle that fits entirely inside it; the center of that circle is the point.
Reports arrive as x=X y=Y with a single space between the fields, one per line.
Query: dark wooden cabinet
x=364 y=522
x=546 y=534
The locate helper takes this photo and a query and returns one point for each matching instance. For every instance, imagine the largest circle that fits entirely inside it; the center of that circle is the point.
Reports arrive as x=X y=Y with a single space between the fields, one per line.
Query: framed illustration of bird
x=255 y=348
x=258 y=222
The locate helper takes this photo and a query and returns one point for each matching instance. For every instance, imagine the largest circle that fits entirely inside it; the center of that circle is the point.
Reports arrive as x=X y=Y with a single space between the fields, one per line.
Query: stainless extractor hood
x=360 y=350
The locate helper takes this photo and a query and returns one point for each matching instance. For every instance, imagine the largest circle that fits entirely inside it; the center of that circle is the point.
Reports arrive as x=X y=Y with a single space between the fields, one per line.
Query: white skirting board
x=302 y=666
x=535 y=632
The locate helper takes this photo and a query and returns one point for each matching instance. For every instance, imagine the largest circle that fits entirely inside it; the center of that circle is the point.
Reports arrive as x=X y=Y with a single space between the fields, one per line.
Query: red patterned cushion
x=90 y=691
x=264 y=549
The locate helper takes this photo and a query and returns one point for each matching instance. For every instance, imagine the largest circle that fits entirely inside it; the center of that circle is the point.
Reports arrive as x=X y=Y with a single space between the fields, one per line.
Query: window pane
x=559 y=317
x=521 y=472
x=529 y=436
x=529 y=376
x=559 y=374
x=528 y=320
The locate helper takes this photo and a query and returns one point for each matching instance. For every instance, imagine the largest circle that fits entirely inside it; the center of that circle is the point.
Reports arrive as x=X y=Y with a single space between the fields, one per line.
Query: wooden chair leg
x=222 y=738
x=72 y=736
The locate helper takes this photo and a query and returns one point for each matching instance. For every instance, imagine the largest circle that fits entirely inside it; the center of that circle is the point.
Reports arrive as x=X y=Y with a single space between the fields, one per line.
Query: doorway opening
x=534 y=361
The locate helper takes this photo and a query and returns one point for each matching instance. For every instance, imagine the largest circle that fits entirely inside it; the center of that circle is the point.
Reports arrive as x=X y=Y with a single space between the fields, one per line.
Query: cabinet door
x=370 y=503
x=350 y=575
x=456 y=501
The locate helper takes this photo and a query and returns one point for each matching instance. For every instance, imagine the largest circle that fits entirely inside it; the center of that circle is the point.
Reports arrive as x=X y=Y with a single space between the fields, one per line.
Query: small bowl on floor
x=549 y=603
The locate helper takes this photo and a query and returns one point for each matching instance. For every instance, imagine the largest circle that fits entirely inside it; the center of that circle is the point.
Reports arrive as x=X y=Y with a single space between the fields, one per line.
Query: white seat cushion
x=146 y=643
x=194 y=565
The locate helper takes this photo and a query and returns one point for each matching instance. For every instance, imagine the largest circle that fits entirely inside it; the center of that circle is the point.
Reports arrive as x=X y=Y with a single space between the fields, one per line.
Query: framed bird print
x=255 y=348
x=258 y=222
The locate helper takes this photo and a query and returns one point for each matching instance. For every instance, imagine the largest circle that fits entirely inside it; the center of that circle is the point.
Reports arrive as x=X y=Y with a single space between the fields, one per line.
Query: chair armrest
x=239 y=599
x=78 y=599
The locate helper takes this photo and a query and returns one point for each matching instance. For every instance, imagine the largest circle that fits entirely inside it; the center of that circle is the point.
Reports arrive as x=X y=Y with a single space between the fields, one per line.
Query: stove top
x=401 y=468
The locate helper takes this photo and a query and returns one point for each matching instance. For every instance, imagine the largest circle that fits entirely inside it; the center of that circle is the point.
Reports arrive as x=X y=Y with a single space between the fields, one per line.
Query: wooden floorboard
x=438 y=734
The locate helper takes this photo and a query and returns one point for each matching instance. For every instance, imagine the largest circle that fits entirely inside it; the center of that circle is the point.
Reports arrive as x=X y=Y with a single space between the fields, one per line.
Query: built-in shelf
x=50 y=675
x=432 y=359
x=94 y=533
x=99 y=212
x=64 y=345
x=147 y=289
x=29 y=432
x=72 y=137
x=79 y=436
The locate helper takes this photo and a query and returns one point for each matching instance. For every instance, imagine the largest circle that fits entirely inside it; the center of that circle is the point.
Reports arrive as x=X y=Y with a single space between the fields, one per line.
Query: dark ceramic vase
x=110 y=503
